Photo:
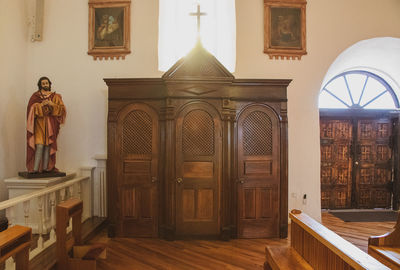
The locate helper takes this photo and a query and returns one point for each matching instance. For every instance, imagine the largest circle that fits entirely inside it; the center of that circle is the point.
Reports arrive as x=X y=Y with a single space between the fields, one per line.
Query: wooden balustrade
x=15 y=242
x=313 y=246
x=42 y=205
x=386 y=248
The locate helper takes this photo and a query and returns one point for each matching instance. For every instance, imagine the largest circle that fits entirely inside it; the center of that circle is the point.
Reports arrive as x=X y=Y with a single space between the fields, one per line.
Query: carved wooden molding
x=109 y=29
x=285 y=29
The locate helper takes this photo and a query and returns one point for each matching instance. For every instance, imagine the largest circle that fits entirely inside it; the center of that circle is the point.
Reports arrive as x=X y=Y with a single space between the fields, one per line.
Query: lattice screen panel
x=198 y=134
x=257 y=134
x=137 y=133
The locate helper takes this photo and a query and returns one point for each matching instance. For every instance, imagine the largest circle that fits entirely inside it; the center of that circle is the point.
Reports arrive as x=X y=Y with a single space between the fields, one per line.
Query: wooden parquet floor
x=146 y=254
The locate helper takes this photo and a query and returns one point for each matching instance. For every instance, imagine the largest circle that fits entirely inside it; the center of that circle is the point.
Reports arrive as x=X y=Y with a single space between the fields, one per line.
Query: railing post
x=86 y=189
x=27 y=205
x=100 y=187
x=71 y=191
x=52 y=215
x=62 y=194
x=40 y=215
x=10 y=215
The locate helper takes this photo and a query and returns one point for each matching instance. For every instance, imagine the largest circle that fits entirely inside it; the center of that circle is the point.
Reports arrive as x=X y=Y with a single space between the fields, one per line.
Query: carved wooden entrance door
x=258 y=173
x=356 y=162
x=137 y=170
x=336 y=163
x=198 y=170
x=373 y=163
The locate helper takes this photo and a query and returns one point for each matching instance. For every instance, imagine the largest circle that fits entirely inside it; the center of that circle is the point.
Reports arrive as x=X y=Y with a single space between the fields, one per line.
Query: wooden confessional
x=197 y=153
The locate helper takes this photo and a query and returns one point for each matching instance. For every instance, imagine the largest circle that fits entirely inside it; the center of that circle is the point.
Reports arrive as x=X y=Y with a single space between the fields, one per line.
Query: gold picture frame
x=285 y=29
x=109 y=29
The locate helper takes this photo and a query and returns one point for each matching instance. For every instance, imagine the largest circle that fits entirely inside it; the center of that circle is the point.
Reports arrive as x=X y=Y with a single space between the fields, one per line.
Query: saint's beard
x=46 y=88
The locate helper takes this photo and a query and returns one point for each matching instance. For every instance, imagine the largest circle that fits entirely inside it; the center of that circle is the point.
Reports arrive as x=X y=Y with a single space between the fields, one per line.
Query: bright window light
x=357 y=89
x=178 y=30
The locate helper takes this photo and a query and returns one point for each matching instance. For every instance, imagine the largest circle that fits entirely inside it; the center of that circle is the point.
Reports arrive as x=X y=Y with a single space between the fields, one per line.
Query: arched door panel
x=258 y=182
x=137 y=170
x=198 y=170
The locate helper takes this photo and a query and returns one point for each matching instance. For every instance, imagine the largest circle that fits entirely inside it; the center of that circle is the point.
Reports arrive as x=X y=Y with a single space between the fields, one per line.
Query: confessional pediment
x=199 y=64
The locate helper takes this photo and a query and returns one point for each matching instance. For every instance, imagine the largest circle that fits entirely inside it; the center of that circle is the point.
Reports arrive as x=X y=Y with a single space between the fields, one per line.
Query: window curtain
x=178 y=30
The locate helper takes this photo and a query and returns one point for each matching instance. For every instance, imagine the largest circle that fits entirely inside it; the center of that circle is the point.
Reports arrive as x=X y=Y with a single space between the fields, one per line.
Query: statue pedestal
x=42 y=174
x=18 y=186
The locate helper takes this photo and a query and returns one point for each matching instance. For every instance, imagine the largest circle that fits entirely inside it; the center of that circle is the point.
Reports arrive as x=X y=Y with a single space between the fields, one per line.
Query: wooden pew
x=313 y=246
x=15 y=241
x=386 y=248
x=83 y=257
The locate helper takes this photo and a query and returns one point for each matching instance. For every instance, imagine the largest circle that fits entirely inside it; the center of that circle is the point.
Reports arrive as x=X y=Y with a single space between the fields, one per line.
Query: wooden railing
x=45 y=200
x=386 y=248
x=313 y=246
x=324 y=249
x=15 y=242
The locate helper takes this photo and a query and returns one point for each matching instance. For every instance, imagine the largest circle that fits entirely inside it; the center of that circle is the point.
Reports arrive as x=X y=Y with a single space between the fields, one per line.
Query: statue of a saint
x=45 y=113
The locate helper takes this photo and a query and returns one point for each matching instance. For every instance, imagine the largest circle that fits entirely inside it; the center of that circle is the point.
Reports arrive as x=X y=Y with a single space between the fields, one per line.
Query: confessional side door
x=198 y=171
x=138 y=146
x=258 y=183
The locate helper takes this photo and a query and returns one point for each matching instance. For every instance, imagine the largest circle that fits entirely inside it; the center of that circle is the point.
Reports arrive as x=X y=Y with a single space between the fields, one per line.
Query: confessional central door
x=198 y=170
x=356 y=162
x=258 y=173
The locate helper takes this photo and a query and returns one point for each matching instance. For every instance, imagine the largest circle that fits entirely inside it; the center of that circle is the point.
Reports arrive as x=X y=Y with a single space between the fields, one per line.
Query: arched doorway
x=358 y=131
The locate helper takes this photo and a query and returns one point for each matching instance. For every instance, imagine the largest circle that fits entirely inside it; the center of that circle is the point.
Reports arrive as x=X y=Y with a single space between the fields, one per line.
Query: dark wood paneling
x=258 y=172
x=198 y=166
x=209 y=190
x=198 y=169
x=137 y=170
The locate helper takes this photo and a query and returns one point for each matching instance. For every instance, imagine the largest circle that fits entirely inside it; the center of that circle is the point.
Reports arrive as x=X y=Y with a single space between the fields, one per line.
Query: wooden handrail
x=388 y=239
x=15 y=241
x=386 y=248
x=349 y=253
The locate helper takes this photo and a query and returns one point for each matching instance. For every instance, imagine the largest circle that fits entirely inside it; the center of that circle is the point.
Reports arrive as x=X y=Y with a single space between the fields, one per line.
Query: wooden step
x=284 y=257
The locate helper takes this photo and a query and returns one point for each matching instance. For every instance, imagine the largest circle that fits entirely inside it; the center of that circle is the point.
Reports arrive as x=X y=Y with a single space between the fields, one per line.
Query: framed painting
x=285 y=28
x=109 y=29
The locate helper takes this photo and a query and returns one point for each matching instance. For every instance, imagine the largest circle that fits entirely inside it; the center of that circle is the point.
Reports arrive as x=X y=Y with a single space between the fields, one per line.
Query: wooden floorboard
x=149 y=254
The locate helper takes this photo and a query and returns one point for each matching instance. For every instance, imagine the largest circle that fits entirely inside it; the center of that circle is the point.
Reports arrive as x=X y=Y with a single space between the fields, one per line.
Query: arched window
x=357 y=90
x=177 y=31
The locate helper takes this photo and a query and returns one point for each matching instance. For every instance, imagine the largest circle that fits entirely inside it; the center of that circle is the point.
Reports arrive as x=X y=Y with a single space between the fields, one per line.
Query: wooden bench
x=15 y=241
x=386 y=248
x=83 y=257
x=313 y=246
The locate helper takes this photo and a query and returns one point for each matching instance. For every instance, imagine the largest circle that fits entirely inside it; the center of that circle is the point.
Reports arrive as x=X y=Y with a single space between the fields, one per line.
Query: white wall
x=13 y=53
x=378 y=55
x=332 y=26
